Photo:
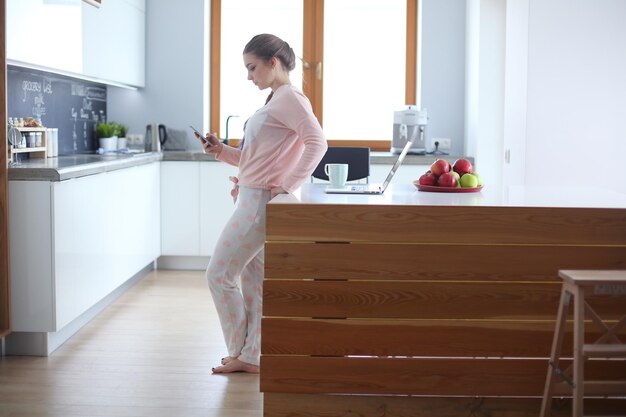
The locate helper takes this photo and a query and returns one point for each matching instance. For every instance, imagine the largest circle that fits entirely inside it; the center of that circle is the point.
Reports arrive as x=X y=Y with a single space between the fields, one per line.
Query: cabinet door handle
x=318 y=70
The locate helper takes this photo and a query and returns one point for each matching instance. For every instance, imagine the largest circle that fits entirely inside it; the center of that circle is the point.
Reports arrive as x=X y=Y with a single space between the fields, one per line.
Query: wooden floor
x=148 y=354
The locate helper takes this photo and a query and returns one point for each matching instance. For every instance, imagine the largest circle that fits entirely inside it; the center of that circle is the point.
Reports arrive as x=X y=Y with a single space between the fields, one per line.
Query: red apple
x=462 y=166
x=440 y=166
x=428 y=179
x=446 y=179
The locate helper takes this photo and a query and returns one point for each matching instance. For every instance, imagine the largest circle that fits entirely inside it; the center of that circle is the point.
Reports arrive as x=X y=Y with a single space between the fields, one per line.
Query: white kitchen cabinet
x=140 y=206
x=74 y=242
x=180 y=189
x=406 y=174
x=114 y=41
x=113 y=220
x=195 y=205
x=45 y=33
x=72 y=37
x=216 y=203
x=31 y=256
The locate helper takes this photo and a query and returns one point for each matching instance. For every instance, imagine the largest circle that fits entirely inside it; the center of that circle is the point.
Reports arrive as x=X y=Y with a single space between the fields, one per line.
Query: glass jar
x=31 y=141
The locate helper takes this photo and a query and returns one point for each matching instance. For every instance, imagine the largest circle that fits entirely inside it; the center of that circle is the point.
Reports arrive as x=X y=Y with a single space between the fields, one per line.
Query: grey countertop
x=74 y=166
x=375 y=157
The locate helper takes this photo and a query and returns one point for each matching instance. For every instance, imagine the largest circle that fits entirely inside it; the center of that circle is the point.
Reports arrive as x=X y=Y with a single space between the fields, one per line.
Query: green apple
x=469 y=181
x=480 y=180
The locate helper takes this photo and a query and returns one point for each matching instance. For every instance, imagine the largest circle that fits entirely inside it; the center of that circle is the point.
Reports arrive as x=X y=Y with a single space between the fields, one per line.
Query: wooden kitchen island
x=428 y=304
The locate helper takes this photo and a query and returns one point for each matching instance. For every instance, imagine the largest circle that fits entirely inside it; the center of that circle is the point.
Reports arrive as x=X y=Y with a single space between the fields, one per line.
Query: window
x=357 y=63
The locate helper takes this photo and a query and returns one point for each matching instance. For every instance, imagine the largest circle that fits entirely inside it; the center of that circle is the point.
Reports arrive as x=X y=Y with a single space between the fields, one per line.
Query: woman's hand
x=277 y=190
x=210 y=143
x=235 y=191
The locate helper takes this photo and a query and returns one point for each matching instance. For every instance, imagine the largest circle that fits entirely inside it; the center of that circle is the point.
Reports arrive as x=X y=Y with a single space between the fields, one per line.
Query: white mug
x=337 y=174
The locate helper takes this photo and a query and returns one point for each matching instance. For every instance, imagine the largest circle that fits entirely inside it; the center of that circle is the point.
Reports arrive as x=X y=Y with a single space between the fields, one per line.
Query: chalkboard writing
x=73 y=106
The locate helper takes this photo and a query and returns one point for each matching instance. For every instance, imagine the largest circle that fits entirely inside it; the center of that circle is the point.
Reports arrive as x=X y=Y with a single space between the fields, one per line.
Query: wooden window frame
x=313 y=49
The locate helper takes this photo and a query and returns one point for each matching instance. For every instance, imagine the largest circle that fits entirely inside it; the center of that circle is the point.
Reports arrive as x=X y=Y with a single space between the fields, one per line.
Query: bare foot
x=227 y=359
x=235 y=365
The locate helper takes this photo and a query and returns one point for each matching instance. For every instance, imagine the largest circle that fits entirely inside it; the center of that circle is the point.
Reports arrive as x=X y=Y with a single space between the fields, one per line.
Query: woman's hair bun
x=267 y=46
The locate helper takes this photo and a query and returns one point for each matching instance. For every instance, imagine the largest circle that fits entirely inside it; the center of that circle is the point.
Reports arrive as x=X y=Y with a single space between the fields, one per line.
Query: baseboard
x=193 y=263
x=44 y=343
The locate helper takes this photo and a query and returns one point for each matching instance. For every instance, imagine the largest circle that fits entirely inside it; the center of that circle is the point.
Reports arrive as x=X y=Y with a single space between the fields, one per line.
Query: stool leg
x=557 y=343
x=579 y=360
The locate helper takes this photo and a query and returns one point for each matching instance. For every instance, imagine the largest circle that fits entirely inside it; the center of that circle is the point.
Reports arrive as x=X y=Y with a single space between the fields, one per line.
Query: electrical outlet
x=444 y=143
x=135 y=140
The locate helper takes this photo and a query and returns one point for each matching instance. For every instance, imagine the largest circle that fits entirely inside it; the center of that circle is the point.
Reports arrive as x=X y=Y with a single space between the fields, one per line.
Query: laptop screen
x=395 y=166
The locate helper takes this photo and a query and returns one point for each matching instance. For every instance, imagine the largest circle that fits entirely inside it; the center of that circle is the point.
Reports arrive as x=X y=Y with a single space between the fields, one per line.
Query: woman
x=283 y=144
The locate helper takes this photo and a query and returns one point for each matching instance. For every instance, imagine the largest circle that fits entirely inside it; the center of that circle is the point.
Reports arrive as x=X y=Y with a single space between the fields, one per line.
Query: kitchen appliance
x=409 y=124
x=156 y=136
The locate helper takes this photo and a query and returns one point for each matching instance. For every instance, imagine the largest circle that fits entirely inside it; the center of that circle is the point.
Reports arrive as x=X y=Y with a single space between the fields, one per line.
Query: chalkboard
x=73 y=106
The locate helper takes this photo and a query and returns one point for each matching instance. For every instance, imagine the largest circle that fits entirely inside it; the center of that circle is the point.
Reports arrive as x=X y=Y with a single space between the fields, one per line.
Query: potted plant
x=111 y=135
x=107 y=135
x=121 y=131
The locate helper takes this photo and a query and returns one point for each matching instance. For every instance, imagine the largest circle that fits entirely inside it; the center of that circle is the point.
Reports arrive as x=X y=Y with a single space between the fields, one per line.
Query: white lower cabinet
x=195 y=205
x=406 y=174
x=216 y=203
x=180 y=189
x=73 y=242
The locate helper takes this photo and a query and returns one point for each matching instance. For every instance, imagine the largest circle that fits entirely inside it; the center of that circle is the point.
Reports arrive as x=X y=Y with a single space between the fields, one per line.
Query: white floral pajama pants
x=239 y=255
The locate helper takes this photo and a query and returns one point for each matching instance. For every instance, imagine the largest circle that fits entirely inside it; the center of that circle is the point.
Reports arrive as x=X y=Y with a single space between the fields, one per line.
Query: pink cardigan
x=284 y=143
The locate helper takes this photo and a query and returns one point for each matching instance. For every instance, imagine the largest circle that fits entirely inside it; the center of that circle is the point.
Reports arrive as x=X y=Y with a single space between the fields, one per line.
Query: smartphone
x=198 y=133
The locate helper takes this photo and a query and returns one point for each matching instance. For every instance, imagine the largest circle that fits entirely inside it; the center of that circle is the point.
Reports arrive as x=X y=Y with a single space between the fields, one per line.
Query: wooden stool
x=607 y=346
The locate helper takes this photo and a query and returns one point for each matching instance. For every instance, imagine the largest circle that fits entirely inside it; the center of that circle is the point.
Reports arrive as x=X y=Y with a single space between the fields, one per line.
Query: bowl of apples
x=443 y=177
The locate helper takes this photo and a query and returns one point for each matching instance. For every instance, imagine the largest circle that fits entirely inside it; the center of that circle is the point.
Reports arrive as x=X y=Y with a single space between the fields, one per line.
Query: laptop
x=372 y=188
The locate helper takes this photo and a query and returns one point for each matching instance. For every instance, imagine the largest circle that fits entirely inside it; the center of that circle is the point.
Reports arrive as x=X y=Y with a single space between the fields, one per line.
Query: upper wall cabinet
x=106 y=43
x=114 y=41
x=45 y=33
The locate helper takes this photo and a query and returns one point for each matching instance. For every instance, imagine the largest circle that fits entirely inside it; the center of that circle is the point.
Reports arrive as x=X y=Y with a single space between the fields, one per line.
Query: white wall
x=576 y=112
x=545 y=80
x=443 y=70
x=513 y=160
x=484 y=101
x=175 y=74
